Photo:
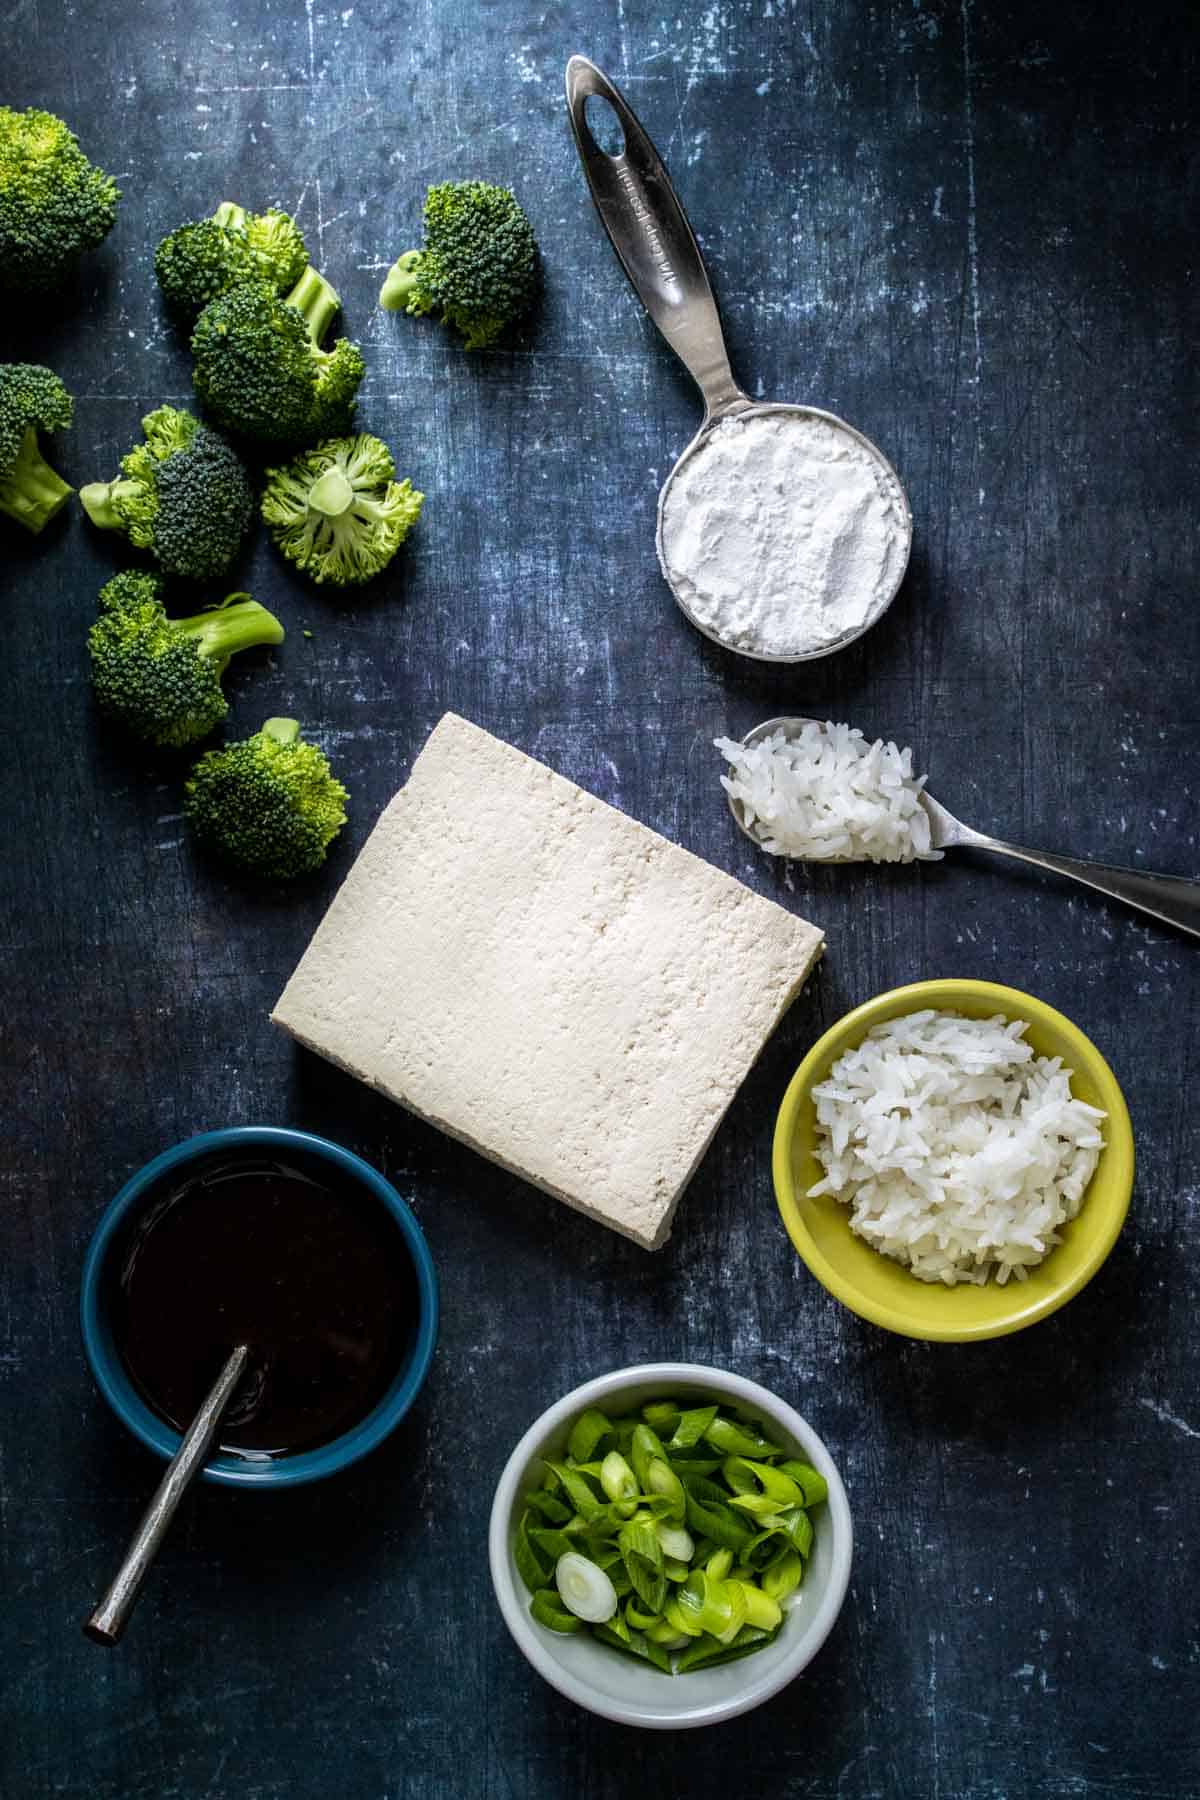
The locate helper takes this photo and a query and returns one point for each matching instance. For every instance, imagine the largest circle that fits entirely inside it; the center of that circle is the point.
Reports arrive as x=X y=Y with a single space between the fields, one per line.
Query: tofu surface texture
x=546 y=979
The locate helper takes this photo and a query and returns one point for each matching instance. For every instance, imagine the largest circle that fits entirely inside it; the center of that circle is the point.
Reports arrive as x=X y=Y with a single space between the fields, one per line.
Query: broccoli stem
x=229 y=214
x=31 y=492
x=239 y=623
x=99 y=501
x=317 y=300
x=282 y=731
x=400 y=281
x=331 y=494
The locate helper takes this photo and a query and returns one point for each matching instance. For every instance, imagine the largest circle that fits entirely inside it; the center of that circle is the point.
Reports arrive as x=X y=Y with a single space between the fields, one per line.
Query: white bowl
x=602 y=1679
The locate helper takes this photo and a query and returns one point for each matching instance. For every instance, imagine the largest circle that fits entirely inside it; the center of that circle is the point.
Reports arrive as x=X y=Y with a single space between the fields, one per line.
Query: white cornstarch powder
x=783 y=533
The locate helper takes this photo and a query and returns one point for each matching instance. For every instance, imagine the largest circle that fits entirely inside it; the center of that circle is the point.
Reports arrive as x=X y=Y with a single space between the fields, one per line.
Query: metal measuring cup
x=656 y=248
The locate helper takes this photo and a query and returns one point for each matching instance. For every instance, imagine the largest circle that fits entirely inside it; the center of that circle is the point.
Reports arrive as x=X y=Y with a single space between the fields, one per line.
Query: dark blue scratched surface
x=971 y=231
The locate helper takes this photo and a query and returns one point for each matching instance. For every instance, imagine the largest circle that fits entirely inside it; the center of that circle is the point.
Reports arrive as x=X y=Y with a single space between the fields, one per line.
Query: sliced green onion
x=811 y=1483
x=634 y=1643
x=717 y=1607
x=662 y=1480
x=709 y=1515
x=677 y=1536
x=643 y=1448
x=691 y=1427
x=637 y=1619
x=586 y=1590
x=759 y=1506
x=682 y=1620
x=587 y=1433
x=578 y=1490
x=608 y=1558
x=800 y=1531
x=746 y=1478
x=708 y=1651
x=700 y=1461
x=663 y=1633
x=733 y=1439
x=676 y=1542
x=702 y=1651
x=653 y=1507
x=550 y=1542
x=784 y=1575
x=532 y=1567
x=548 y=1506
x=619 y=1481
x=643 y=1557
x=549 y=1611
x=761 y=1609
x=766 y=1548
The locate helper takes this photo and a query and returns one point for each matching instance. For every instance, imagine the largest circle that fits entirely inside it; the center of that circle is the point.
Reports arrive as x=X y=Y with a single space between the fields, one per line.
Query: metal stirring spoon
x=111 y=1615
x=657 y=250
x=1171 y=898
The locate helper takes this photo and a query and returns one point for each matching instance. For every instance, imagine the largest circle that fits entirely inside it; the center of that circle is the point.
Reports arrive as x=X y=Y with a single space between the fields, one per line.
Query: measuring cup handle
x=653 y=240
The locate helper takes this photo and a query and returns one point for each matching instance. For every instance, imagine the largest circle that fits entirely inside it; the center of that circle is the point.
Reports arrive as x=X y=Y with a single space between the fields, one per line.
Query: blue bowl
x=306 y=1465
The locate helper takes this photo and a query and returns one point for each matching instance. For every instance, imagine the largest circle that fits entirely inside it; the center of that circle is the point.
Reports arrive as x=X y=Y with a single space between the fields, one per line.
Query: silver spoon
x=657 y=250
x=106 y=1624
x=1170 y=898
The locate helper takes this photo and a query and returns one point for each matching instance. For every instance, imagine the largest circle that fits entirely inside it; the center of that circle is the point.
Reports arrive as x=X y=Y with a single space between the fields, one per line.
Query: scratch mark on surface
x=312 y=44
x=259 y=87
x=1169 y=1418
x=935 y=1748
x=972 y=221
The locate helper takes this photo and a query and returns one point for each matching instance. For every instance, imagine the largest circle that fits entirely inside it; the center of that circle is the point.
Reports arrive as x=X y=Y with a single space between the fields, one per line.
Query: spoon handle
x=1167 y=897
x=108 y=1621
x=653 y=240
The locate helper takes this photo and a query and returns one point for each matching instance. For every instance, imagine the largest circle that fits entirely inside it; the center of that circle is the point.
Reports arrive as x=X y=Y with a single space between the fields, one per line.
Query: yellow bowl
x=879 y=1289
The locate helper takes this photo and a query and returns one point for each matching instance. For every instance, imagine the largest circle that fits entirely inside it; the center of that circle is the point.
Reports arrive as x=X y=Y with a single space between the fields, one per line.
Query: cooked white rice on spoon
x=829 y=796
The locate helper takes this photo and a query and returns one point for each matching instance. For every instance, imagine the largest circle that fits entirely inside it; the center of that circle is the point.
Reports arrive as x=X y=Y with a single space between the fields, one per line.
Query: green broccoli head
x=478 y=266
x=161 y=677
x=54 y=205
x=278 y=243
x=183 y=495
x=206 y=258
x=337 y=512
x=32 y=399
x=270 y=805
x=260 y=369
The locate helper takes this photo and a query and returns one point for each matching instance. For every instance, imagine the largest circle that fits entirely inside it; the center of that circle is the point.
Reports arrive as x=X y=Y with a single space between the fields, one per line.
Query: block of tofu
x=546 y=979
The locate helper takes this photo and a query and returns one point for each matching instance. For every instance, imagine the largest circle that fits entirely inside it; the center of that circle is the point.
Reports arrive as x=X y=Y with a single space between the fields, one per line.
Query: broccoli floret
x=204 y=259
x=260 y=368
x=478 y=264
x=161 y=677
x=32 y=399
x=54 y=205
x=183 y=495
x=337 y=512
x=270 y=805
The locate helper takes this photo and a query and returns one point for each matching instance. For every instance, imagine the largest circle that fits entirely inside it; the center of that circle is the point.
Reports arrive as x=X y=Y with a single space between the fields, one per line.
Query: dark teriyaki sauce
x=284 y=1255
